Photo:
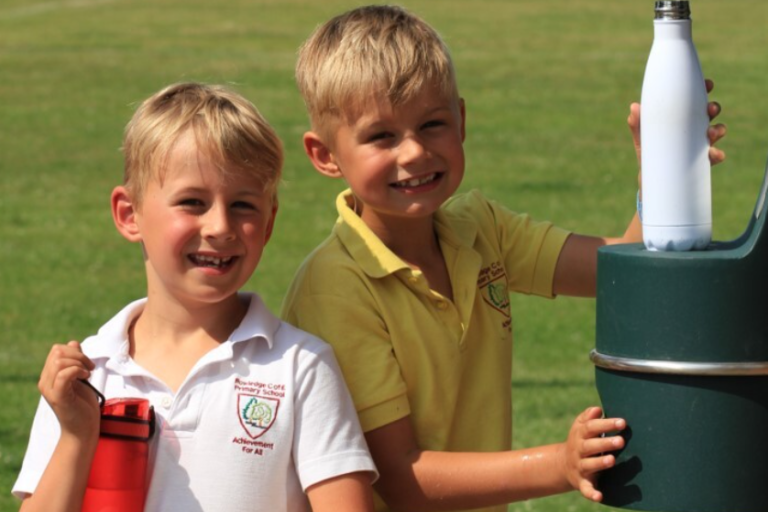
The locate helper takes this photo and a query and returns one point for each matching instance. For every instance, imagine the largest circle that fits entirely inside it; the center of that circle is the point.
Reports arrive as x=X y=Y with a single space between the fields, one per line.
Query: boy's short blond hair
x=227 y=127
x=378 y=51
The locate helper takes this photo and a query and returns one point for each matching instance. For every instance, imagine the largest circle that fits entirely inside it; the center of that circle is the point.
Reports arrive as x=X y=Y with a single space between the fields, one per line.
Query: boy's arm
x=576 y=271
x=415 y=479
x=345 y=493
x=63 y=483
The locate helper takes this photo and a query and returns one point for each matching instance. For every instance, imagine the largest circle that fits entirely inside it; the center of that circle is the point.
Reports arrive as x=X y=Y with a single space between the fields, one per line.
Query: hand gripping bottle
x=117 y=481
x=677 y=197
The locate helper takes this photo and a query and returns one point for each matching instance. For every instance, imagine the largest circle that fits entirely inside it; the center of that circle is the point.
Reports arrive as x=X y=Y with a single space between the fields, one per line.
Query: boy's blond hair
x=378 y=51
x=227 y=127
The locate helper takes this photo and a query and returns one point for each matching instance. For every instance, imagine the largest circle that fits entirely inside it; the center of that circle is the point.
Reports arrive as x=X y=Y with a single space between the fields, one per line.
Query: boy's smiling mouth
x=202 y=260
x=416 y=182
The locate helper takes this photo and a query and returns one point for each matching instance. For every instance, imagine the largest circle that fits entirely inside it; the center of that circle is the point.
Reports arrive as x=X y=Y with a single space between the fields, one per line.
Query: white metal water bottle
x=677 y=196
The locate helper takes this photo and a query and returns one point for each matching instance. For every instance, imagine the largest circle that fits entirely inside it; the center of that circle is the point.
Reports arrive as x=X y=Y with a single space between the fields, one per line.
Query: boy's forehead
x=379 y=105
x=184 y=154
x=201 y=175
x=188 y=157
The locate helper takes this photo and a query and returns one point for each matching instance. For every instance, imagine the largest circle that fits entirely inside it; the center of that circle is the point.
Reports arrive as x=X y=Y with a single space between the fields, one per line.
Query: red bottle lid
x=128 y=418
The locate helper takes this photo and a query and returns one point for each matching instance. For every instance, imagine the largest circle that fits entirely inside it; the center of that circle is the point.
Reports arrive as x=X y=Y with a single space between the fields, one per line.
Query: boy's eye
x=244 y=205
x=433 y=124
x=379 y=136
x=191 y=202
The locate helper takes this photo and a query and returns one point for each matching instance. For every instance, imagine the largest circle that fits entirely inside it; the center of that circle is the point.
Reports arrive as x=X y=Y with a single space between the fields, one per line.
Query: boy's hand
x=715 y=132
x=74 y=403
x=585 y=448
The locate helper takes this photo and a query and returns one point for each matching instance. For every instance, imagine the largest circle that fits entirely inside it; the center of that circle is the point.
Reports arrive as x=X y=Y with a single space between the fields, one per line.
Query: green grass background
x=547 y=87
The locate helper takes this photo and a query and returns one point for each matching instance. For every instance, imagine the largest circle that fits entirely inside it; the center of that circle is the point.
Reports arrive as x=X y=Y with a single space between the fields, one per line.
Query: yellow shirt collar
x=375 y=258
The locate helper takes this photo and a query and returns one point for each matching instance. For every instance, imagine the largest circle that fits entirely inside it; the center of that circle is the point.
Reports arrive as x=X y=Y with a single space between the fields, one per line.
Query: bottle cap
x=673 y=10
x=128 y=418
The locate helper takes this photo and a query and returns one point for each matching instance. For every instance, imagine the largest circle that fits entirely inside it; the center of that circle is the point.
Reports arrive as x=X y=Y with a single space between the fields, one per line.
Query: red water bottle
x=118 y=477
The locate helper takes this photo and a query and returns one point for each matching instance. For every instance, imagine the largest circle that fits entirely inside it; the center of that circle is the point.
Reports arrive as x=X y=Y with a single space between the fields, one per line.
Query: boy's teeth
x=415 y=182
x=210 y=261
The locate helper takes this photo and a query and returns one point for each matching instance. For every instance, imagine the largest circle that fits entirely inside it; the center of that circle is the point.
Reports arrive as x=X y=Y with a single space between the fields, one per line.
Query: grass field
x=547 y=87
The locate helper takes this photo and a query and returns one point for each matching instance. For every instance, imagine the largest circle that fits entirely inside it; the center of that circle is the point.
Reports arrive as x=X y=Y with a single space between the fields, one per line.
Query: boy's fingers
x=713 y=109
x=78 y=349
x=716 y=132
x=596 y=427
x=716 y=156
x=592 y=465
x=56 y=390
x=63 y=364
x=71 y=351
x=634 y=114
x=69 y=375
x=599 y=445
x=590 y=414
x=588 y=490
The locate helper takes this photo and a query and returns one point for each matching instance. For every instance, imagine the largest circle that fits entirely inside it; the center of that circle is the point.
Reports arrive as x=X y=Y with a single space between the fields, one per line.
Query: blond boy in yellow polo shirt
x=412 y=286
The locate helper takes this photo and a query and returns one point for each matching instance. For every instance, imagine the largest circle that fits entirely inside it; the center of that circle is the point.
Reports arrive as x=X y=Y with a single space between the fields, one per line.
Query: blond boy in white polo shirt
x=411 y=288
x=201 y=174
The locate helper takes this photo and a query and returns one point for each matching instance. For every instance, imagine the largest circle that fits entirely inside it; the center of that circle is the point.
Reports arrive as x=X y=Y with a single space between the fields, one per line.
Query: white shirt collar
x=112 y=337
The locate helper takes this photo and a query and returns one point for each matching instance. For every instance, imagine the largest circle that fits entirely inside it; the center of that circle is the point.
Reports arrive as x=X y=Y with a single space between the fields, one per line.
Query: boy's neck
x=174 y=320
x=169 y=337
x=415 y=242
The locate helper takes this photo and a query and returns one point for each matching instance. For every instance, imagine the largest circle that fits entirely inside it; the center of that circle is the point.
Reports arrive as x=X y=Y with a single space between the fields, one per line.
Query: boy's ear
x=320 y=155
x=124 y=214
x=271 y=225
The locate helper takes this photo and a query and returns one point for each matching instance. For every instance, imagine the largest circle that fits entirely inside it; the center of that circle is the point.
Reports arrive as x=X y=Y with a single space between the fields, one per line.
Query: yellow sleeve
x=530 y=250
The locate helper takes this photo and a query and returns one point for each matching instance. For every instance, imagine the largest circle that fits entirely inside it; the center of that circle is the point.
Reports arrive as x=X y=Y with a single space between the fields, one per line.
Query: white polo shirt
x=210 y=452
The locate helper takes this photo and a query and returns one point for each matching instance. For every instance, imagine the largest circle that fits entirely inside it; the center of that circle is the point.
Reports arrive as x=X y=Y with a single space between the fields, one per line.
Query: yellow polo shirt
x=407 y=350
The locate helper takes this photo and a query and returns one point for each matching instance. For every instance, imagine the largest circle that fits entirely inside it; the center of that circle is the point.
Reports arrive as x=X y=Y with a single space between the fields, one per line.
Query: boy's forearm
x=345 y=493
x=491 y=478
x=62 y=486
x=450 y=481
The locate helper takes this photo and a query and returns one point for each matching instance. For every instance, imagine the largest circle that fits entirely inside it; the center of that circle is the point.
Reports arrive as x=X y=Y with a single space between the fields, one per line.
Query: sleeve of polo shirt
x=346 y=317
x=328 y=441
x=530 y=250
x=42 y=442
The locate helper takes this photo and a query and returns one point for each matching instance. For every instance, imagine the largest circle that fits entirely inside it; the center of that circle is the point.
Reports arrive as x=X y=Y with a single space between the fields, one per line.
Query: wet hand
x=586 y=448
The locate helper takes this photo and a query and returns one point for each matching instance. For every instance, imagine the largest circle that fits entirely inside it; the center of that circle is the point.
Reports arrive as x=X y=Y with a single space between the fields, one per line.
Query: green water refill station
x=682 y=354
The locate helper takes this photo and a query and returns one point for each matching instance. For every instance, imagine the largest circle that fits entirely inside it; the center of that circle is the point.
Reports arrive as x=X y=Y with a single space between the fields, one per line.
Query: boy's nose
x=411 y=149
x=217 y=224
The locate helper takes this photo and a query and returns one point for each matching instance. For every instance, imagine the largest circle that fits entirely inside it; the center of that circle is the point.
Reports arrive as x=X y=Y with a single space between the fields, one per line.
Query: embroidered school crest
x=257 y=414
x=492 y=283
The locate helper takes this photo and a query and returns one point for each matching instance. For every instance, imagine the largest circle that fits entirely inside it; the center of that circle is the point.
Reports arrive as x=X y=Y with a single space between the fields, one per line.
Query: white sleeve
x=42 y=442
x=328 y=440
